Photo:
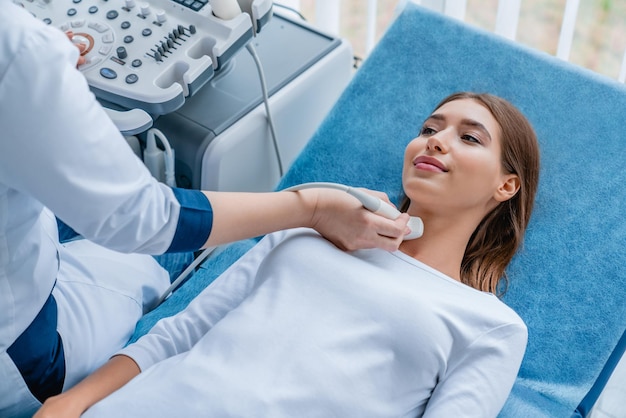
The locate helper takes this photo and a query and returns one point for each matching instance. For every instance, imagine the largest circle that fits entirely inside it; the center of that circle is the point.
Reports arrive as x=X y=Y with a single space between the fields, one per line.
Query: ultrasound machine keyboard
x=150 y=55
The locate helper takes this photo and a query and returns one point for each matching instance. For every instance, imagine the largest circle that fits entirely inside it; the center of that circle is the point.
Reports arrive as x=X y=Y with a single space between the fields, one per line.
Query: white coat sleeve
x=59 y=146
x=179 y=333
x=479 y=381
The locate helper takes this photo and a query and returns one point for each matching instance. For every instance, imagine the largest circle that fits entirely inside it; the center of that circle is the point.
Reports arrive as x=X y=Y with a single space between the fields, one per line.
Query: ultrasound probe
x=369 y=202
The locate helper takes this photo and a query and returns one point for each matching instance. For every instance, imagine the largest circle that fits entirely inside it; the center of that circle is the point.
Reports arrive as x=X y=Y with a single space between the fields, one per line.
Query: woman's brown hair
x=498 y=236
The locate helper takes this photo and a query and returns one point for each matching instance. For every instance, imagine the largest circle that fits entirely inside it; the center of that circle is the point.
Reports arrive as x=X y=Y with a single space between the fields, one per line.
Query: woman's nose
x=438 y=143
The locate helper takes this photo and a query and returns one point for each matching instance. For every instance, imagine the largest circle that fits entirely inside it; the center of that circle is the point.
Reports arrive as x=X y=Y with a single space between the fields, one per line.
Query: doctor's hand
x=342 y=220
x=81 y=48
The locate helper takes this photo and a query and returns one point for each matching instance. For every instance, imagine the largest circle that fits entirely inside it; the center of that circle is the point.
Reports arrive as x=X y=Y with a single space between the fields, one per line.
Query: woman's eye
x=427 y=131
x=470 y=138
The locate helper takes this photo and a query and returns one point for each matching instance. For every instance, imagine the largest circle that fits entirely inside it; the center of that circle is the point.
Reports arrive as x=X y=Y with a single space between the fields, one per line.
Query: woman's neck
x=442 y=245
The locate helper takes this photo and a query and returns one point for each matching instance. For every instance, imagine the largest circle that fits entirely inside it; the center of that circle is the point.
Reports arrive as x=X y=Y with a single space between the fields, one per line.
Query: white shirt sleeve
x=179 y=333
x=59 y=146
x=480 y=379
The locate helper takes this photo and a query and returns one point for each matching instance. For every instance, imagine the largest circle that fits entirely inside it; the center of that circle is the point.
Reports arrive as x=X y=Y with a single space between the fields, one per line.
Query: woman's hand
x=60 y=406
x=118 y=371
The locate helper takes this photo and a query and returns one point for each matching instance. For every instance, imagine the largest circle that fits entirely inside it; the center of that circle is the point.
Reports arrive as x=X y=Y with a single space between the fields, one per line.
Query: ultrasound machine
x=234 y=88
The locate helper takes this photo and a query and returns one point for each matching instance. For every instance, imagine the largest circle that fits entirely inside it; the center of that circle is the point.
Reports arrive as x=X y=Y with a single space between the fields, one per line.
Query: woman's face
x=454 y=165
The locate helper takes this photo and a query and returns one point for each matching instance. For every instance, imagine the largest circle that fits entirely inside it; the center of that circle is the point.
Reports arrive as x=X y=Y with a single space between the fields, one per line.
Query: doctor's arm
x=114 y=200
x=336 y=215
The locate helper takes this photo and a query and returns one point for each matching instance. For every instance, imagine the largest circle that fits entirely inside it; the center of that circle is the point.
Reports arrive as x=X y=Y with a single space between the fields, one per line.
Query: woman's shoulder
x=496 y=312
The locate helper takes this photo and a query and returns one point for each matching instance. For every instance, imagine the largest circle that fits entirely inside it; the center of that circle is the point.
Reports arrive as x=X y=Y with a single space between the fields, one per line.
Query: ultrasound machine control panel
x=151 y=55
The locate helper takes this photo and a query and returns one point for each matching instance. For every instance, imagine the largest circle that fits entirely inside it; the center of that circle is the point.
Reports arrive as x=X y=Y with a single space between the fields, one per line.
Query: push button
x=107 y=72
x=107 y=38
x=132 y=78
x=98 y=26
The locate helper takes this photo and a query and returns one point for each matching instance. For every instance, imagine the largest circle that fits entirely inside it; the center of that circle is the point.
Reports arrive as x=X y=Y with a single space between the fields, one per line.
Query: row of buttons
x=131 y=3
x=162 y=49
x=75 y=24
x=193 y=4
x=110 y=73
x=92 y=10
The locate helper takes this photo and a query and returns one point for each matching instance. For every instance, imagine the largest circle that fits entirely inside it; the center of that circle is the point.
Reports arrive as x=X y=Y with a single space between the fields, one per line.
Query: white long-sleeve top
x=297 y=328
x=61 y=154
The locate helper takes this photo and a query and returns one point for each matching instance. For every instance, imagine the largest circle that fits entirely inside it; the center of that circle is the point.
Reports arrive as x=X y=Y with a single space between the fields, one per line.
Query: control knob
x=122 y=53
x=161 y=17
x=145 y=9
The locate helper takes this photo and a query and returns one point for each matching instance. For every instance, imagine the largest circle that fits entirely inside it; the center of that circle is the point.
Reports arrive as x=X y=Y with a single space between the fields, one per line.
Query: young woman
x=299 y=328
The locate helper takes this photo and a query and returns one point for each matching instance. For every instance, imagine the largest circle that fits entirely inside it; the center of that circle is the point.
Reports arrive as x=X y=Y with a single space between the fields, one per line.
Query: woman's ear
x=508 y=188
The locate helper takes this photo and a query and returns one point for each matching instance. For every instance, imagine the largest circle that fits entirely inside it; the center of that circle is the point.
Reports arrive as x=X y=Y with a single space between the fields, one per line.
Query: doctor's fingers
x=81 y=48
x=390 y=233
x=376 y=231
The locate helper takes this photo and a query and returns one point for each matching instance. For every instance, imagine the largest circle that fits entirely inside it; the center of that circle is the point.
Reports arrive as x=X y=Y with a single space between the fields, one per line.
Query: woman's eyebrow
x=477 y=125
x=436 y=116
x=464 y=122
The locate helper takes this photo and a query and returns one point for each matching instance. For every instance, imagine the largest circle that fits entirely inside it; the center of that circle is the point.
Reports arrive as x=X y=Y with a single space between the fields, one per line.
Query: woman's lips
x=427 y=163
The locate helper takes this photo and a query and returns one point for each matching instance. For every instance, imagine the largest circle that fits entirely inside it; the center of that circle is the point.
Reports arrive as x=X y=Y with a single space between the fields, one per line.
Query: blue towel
x=568 y=282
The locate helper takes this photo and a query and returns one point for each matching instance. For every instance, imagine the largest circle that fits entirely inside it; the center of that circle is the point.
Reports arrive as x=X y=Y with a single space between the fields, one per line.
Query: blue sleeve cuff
x=194 y=221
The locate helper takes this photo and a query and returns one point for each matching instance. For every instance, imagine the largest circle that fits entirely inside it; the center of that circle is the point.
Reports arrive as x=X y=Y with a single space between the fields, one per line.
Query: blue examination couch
x=568 y=282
